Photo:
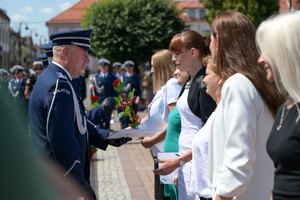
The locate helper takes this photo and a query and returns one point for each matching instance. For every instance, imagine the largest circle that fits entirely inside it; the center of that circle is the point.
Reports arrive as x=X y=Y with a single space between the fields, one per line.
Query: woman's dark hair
x=237 y=53
x=188 y=40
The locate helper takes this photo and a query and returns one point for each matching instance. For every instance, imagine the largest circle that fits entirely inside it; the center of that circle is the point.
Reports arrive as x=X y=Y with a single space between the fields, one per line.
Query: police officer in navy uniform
x=4 y=79
x=43 y=58
x=103 y=81
x=48 y=51
x=98 y=115
x=131 y=81
x=59 y=129
x=118 y=70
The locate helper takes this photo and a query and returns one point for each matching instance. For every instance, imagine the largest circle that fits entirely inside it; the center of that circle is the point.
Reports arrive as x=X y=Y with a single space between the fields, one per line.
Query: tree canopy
x=131 y=29
x=256 y=10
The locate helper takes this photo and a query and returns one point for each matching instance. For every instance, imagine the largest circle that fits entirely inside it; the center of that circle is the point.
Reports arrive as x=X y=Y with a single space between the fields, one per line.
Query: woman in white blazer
x=239 y=165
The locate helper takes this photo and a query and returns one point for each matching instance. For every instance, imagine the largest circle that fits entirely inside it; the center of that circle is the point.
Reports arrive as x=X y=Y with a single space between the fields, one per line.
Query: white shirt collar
x=129 y=75
x=63 y=69
x=104 y=75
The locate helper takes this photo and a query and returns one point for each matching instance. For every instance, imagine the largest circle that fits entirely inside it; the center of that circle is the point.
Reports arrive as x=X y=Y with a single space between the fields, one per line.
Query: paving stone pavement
x=124 y=172
x=111 y=179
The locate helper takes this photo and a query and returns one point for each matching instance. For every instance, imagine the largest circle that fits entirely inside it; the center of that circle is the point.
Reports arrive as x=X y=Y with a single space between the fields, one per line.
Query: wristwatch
x=181 y=162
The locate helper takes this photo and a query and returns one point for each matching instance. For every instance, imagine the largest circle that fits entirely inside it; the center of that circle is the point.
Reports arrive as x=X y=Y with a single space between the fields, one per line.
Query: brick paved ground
x=124 y=172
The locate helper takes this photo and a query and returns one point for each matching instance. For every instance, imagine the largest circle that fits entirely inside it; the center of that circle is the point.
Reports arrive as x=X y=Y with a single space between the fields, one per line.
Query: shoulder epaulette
x=60 y=75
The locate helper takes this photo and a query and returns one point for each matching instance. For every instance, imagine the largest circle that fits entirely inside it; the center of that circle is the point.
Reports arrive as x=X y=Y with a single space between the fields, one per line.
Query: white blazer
x=239 y=163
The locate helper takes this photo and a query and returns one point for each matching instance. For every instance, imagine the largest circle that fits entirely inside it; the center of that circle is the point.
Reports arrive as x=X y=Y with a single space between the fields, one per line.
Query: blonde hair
x=163 y=68
x=209 y=61
x=278 y=40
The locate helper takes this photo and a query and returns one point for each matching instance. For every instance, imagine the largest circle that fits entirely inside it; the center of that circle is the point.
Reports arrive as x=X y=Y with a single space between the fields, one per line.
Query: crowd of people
x=239 y=115
x=230 y=102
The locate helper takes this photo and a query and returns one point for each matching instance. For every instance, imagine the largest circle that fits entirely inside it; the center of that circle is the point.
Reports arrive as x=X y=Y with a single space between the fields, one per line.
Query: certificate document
x=134 y=133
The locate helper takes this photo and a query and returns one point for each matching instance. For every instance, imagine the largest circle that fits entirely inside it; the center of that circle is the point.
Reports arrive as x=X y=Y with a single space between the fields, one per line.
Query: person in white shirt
x=166 y=92
x=239 y=166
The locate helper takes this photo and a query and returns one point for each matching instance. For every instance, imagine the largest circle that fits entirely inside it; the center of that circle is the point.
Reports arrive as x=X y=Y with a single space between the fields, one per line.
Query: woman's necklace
x=282 y=116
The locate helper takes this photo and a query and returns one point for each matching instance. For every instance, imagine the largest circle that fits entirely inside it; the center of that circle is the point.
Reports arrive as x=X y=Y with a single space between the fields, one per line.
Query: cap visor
x=87 y=48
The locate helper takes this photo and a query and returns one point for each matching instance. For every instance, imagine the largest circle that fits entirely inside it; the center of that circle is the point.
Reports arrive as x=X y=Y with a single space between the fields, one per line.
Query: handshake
x=117 y=142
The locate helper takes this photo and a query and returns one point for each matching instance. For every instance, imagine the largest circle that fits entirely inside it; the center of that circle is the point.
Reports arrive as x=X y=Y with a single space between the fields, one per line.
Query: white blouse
x=200 y=183
x=190 y=123
x=166 y=95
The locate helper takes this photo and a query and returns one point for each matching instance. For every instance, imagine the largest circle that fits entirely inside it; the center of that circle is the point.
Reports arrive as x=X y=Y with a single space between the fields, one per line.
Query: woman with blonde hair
x=279 y=44
x=239 y=164
x=166 y=92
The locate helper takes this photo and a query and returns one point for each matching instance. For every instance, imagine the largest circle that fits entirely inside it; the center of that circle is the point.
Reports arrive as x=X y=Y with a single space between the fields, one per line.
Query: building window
x=191 y=14
x=63 y=29
x=202 y=13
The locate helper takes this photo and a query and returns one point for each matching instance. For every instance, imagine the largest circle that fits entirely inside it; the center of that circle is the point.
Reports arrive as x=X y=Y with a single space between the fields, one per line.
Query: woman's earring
x=194 y=66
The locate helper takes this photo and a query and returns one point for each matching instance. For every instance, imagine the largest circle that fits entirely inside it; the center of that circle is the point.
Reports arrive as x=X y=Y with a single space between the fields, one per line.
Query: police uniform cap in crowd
x=117 y=64
x=18 y=68
x=123 y=67
x=80 y=38
x=43 y=58
x=103 y=62
x=128 y=63
x=48 y=49
x=12 y=70
x=4 y=72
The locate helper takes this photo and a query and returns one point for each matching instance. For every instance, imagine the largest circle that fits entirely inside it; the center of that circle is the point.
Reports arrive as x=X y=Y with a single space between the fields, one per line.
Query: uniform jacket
x=97 y=116
x=80 y=86
x=238 y=161
x=130 y=83
x=104 y=86
x=53 y=127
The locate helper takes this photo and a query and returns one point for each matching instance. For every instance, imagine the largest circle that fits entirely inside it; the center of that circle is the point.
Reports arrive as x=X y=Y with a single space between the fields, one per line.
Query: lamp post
x=41 y=41
x=32 y=44
x=36 y=34
x=20 y=40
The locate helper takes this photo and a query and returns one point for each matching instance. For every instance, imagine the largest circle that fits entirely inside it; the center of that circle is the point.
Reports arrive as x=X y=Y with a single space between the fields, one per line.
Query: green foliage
x=131 y=29
x=130 y=95
x=256 y=10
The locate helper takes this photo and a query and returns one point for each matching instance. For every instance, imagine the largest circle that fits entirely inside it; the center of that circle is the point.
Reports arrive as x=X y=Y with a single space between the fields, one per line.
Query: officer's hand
x=89 y=193
x=117 y=142
x=108 y=105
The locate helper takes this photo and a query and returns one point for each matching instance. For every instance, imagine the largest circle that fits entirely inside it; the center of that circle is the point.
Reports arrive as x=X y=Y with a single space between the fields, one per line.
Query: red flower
x=115 y=83
x=95 y=99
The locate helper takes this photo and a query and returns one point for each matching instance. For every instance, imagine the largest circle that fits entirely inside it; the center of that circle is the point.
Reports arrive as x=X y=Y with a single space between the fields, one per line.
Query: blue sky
x=36 y=13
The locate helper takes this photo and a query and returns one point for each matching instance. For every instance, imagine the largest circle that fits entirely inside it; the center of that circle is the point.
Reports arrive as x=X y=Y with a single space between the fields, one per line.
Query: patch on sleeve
x=64 y=90
x=60 y=75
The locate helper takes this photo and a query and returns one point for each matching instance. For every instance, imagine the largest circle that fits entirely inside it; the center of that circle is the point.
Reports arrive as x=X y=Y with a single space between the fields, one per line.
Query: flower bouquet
x=125 y=104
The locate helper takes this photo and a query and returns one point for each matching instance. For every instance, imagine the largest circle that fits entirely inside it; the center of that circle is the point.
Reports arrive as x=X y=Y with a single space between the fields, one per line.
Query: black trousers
x=159 y=192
